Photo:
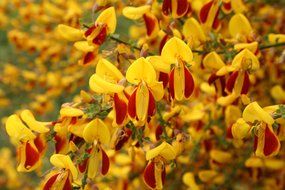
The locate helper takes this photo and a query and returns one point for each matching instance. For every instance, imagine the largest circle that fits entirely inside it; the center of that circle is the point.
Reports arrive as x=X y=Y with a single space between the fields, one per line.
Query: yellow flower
x=148 y=90
x=266 y=142
x=154 y=172
x=176 y=52
x=63 y=176
x=97 y=133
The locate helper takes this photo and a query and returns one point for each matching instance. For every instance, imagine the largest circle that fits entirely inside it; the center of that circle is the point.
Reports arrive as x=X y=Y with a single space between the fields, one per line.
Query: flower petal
x=141 y=70
x=108 y=17
x=175 y=49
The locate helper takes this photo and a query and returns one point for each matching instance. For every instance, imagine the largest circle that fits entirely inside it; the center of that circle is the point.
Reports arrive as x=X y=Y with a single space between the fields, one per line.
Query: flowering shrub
x=190 y=97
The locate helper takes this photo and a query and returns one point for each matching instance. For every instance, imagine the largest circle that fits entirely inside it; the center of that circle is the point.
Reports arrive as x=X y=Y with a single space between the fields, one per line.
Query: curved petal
x=29 y=119
x=15 y=128
x=164 y=149
x=106 y=69
x=213 y=60
x=99 y=85
x=239 y=26
x=175 y=49
x=108 y=17
x=69 y=33
x=96 y=130
x=254 y=112
x=141 y=70
x=135 y=13
x=64 y=161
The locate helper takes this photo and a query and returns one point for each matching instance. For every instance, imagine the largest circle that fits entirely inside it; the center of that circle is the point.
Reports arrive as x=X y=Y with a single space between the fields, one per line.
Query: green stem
x=261 y=47
x=112 y=37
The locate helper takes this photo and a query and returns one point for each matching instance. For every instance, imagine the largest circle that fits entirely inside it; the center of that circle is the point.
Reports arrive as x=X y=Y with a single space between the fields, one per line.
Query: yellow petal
x=64 y=161
x=141 y=70
x=83 y=46
x=135 y=13
x=213 y=60
x=93 y=163
x=254 y=162
x=69 y=33
x=108 y=17
x=15 y=128
x=227 y=100
x=189 y=180
x=175 y=49
x=70 y=112
x=220 y=156
x=225 y=70
x=207 y=175
x=157 y=90
x=239 y=26
x=99 y=85
x=238 y=6
x=274 y=164
x=158 y=64
x=142 y=100
x=29 y=119
x=164 y=149
x=250 y=46
x=106 y=69
x=278 y=93
x=240 y=129
x=96 y=130
x=276 y=38
x=254 y=112
x=193 y=32
x=245 y=60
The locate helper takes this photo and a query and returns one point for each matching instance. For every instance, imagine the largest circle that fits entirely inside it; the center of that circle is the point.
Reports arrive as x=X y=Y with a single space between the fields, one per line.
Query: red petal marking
x=120 y=108
x=166 y=7
x=132 y=105
x=231 y=81
x=212 y=78
x=149 y=176
x=158 y=132
x=216 y=22
x=73 y=120
x=163 y=174
x=101 y=37
x=162 y=42
x=122 y=141
x=88 y=57
x=164 y=78
x=271 y=142
x=227 y=6
x=50 y=182
x=171 y=83
x=105 y=163
x=229 y=132
x=59 y=143
x=205 y=11
x=255 y=143
x=246 y=84
x=89 y=31
x=82 y=166
x=182 y=7
x=40 y=144
x=188 y=82
x=67 y=185
x=149 y=23
x=208 y=145
x=223 y=85
x=32 y=156
x=151 y=105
